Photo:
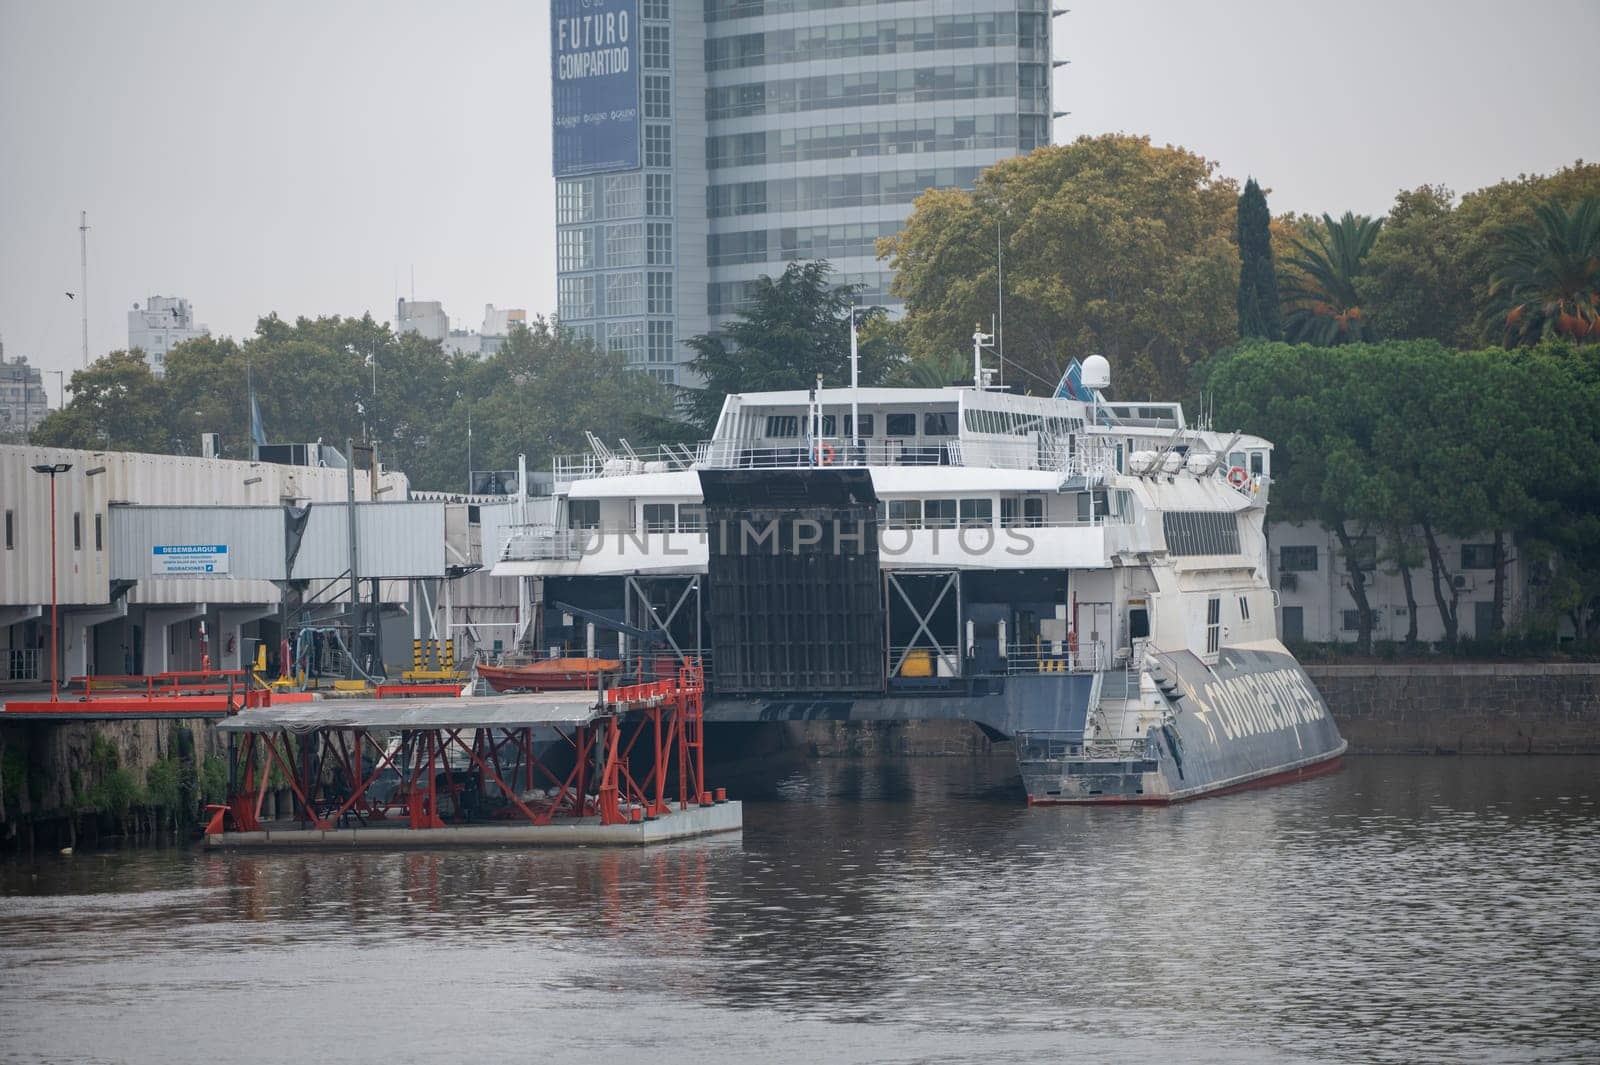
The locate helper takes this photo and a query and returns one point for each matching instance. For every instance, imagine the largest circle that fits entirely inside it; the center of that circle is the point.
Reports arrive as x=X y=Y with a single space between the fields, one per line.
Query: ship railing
x=1043 y=656
x=664 y=459
x=555 y=543
x=1054 y=746
x=1070 y=457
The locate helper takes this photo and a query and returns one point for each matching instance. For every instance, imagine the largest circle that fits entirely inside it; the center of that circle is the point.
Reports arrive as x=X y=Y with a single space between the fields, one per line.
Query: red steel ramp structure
x=495 y=769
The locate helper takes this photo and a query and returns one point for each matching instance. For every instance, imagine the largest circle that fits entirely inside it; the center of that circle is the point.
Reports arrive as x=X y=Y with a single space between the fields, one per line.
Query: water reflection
x=1403 y=910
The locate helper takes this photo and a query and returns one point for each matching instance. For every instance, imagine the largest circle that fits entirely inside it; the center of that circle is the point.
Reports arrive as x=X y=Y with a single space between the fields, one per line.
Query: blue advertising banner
x=595 y=92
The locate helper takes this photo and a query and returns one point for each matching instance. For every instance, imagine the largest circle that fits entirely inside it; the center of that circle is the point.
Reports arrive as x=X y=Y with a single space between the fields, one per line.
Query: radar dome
x=1096 y=372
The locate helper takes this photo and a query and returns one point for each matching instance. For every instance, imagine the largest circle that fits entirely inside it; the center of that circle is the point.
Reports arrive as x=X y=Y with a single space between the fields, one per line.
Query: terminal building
x=283 y=541
x=700 y=146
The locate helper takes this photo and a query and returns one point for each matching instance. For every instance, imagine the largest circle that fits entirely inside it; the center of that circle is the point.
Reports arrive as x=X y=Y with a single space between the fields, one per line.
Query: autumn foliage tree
x=1108 y=245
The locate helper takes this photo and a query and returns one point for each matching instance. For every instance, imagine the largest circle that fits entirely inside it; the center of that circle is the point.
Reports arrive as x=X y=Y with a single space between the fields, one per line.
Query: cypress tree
x=1259 y=313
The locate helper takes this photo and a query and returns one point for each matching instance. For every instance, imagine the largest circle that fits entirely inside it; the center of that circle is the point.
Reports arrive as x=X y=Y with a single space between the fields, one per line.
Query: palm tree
x=1320 y=287
x=1548 y=283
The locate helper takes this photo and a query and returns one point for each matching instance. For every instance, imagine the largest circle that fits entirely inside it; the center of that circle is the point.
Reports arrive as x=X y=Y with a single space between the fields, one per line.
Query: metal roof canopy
x=491 y=711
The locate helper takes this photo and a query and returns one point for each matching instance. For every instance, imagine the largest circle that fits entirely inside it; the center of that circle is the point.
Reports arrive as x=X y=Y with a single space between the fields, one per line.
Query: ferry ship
x=1087 y=578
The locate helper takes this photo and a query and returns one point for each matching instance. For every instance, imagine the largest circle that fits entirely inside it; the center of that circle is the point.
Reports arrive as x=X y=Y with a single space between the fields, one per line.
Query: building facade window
x=624 y=195
x=1477 y=556
x=626 y=339
x=656 y=48
x=962 y=81
x=574 y=201
x=825 y=192
x=657 y=146
x=575 y=249
x=660 y=336
x=575 y=298
x=831 y=40
x=624 y=294
x=659 y=10
x=1297 y=558
x=1350 y=620
x=658 y=195
x=625 y=244
x=659 y=293
x=657 y=96
x=659 y=244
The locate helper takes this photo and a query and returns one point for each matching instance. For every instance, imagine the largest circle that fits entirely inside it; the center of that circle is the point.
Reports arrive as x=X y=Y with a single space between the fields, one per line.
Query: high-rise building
x=161 y=325
x=23 y=401
x=700 y=145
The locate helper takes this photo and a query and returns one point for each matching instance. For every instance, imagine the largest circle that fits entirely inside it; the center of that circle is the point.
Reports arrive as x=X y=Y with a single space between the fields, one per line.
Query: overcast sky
x=306 y=157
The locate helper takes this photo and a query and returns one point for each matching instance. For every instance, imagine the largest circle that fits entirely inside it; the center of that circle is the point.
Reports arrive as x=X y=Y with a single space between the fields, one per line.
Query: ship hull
x=1251 y=719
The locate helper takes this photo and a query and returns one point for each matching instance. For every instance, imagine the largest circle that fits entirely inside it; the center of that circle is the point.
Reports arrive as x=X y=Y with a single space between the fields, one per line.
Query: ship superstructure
x=1086 y=577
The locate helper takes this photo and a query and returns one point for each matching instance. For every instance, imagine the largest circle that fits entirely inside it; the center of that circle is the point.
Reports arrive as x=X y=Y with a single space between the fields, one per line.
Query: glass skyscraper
x=771 y=131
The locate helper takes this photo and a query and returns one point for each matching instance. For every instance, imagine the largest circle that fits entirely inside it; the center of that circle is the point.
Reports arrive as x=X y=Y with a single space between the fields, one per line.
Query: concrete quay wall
x=1465 y=707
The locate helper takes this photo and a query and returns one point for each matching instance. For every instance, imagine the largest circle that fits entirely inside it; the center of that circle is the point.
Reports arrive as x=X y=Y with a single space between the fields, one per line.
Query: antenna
x=855 y=383
x=1000 y=294
x=83 y=280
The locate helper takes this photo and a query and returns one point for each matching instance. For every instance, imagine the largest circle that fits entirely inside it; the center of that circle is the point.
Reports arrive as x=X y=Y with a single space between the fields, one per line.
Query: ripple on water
x=1403 y=910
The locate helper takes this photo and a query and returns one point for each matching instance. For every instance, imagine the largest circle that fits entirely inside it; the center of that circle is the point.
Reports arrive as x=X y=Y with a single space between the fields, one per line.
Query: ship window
x=782 y=425
x=900 y=424
x=866 y=425
x=1025 y=512
x=1213 y=625
x=77 y=530
x=583 y=513
x=691 y=518
x=659 y=517
x=977 y=512
x=11 y=530
x=1201 y=532
x=938 y=423
x=939 y=513
x=1244 y=608
x=905 y=514
x=99 y=532
x=1258 y=463
x=1138 y=623
x=1297 y=558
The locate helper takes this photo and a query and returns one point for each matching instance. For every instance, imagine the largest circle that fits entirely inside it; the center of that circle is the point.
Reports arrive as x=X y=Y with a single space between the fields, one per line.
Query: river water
x=1403 y=910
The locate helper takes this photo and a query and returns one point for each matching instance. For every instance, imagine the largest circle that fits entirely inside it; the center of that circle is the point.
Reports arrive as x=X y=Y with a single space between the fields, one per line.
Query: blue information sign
x=595 y=92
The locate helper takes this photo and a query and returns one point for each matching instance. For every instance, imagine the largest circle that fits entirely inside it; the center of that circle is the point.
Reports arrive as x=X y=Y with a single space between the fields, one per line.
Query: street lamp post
x=51 y=470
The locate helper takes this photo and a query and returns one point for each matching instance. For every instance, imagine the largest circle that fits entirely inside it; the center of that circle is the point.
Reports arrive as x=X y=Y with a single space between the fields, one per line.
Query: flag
x=258 y=434
x=1071 y=384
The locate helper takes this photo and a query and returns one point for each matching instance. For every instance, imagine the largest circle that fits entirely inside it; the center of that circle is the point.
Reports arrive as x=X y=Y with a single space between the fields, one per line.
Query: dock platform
x=696 y=821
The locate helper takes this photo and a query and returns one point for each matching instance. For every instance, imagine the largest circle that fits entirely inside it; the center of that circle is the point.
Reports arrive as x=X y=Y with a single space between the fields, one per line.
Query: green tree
x=537 y=396
x=1325 y=308
x=1259 y=314
x=795 y=329
x=1429 y=272
x=1548 y=282
x=117 y=405
x=1110 y=246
